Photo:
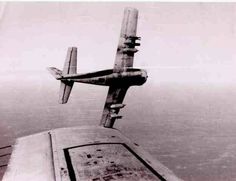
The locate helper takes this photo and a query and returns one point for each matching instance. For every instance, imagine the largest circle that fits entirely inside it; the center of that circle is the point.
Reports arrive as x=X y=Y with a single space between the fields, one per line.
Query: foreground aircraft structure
x=96 y=153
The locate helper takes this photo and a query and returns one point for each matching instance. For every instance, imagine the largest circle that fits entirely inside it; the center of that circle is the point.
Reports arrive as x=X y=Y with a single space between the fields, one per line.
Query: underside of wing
x=126 y=47
x=113 y=105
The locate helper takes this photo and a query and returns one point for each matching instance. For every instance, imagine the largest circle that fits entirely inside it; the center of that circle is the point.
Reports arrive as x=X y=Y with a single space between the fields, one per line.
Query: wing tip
x=72 y=48
x=131 y=9
x=62 y=102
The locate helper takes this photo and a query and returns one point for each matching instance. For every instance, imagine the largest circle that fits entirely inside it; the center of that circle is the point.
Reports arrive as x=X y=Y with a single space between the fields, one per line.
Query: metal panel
x=110 y=161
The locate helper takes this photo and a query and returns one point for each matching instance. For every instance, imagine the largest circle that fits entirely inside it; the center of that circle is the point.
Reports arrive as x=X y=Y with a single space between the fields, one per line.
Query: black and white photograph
x=117 y=90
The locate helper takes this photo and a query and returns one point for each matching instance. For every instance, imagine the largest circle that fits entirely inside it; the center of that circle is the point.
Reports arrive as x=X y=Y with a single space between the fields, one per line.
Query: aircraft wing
x=126 y=47
x=113 y=104
x=124 y=58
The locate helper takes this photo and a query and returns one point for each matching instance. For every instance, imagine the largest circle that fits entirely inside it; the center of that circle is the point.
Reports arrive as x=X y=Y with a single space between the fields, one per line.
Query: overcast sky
x=181 y=42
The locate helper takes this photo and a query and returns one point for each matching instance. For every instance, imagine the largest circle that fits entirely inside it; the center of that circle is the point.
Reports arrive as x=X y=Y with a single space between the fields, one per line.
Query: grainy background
x=184 y=115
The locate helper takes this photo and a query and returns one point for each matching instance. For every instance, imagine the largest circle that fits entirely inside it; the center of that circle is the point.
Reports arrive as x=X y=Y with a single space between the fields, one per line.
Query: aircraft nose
x=145 y=74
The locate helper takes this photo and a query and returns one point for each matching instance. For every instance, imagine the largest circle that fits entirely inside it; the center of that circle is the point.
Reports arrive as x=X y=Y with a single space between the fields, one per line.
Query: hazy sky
x=181 y=42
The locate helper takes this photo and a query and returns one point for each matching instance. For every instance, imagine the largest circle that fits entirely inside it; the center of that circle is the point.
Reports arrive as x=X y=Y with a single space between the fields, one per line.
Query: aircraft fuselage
x=128 y=77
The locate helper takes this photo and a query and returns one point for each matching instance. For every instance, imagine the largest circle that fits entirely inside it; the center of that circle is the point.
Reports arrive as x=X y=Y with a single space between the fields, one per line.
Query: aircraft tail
x=65 y=90
x=70 y=67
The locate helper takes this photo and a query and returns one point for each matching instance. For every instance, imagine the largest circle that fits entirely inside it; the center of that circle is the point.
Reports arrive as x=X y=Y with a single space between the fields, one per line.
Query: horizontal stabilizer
x=65 y=90
x=55 y=72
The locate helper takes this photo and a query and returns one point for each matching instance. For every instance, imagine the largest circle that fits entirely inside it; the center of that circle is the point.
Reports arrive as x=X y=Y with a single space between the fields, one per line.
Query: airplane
x=91 y=152
x=119 y=79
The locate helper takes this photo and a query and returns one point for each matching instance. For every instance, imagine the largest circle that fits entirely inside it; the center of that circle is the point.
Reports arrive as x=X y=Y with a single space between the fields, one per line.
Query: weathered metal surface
x=66 y=139
x=31 y=159
x=107 y=162
x=90 y=153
